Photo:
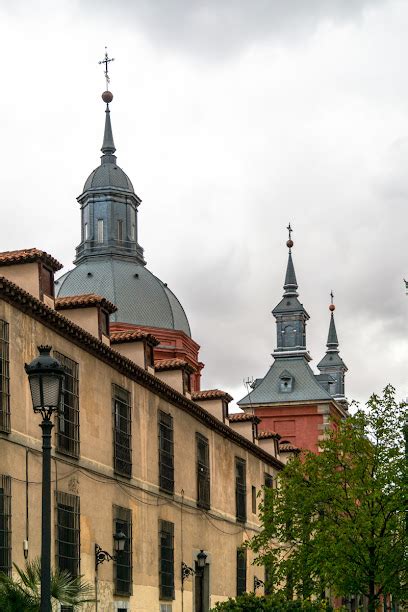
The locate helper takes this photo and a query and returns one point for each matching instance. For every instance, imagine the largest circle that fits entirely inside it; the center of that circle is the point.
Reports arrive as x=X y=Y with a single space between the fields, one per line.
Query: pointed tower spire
x=290 y=314
x=108 y=146
x=332 y=364
x=332 y=340
x=290 y=285
x=109 y=220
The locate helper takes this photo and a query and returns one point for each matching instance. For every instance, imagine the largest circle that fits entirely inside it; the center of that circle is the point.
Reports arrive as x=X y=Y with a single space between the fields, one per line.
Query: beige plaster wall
x=173 y=378
x=214 y=407
x=133 y=351
x=244 y=428
x=87 y=318
x=92 y=478
x=25 y=276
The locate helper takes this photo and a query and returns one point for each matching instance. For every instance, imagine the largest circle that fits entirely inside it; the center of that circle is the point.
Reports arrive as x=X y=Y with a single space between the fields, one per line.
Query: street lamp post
x=201 y=561
x=45 y=375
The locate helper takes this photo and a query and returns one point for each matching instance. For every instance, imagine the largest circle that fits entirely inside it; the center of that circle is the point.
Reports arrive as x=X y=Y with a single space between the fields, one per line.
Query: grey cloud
x=216 y=28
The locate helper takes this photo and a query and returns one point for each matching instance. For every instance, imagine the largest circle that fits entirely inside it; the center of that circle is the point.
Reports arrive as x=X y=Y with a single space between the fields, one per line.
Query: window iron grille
x=241 y=571
x=122 y=522
x=166 y=453
x=68 y=417
x=68 y=532
x=240 y=489
x=4 y=377
x=122 y=434
x=5 y=524
x=166 y=560
x=203 y=472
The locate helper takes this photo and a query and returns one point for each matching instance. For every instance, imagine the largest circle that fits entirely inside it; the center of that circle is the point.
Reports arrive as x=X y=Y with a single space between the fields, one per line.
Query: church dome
x=141 y=298
x=108 y=175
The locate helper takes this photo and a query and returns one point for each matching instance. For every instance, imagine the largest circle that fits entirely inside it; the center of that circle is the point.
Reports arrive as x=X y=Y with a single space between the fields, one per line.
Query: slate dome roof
x=141 y=298
x=108 y=175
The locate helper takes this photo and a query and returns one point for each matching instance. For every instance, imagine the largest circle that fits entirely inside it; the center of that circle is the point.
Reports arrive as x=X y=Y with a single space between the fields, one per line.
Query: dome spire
x=108 y=146
x=290 y=285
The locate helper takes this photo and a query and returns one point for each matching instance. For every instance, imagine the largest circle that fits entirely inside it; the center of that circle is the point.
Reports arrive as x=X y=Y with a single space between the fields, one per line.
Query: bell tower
x=290 y=315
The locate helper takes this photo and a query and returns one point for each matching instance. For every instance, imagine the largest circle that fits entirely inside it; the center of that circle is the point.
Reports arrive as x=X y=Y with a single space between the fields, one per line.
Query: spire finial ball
x=107 y=96
x=332 y=307
x=289 y=243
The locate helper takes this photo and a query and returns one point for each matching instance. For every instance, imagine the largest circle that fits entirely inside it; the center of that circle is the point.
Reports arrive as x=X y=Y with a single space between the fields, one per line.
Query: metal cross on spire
x=107 y=61
x=331 y=297
x=290 y=230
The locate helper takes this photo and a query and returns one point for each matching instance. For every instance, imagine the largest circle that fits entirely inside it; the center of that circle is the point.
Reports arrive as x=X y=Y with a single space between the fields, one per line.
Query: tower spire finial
x=289 y=242
x=332 y=340
x=107 y=60
x=108 y=146
x=290 y=285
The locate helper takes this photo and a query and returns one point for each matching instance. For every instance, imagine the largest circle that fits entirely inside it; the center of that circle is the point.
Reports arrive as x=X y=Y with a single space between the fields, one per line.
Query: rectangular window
x=186 y=382
x=122 y=435
x=241 y=571
x=4 y=377
x=120 y=230
x=47 y=281
x=253 y=500
x=5 y=524
x=86 y=232
x=68 y=533
x=100 y=231
x=166 y=453
x=203 y=472
x=68 y=418
x=268 y=481
x=122 y=523
x=240 y=489
x=132 y=224
x=166 y=560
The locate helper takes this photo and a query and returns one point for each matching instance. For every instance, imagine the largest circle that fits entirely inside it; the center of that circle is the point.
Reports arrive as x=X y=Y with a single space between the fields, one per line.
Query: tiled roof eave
x=28 y=304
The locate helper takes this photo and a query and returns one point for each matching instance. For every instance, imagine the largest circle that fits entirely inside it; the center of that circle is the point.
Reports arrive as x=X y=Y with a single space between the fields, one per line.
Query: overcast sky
x=231 y=118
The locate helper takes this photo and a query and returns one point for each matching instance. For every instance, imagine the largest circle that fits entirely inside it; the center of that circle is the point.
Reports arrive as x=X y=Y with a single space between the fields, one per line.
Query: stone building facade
x=135 y=450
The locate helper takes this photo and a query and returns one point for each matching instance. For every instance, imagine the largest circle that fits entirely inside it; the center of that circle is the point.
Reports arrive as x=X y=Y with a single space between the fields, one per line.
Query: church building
x=110 y=262
x=290 y=399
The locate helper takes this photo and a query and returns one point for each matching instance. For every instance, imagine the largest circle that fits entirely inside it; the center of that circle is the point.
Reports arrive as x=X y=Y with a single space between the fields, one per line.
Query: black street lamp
x=45 y=375
x=102 y=555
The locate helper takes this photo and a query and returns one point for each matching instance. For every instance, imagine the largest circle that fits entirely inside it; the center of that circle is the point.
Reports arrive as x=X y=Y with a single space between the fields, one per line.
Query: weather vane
x=331 y=296
x=107 y=61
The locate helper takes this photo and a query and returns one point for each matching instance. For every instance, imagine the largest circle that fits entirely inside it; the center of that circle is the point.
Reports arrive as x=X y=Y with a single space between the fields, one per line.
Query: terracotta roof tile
x=241 y=417
x=83 y=301
x=118 y=337
x=265 y=435
x=172 y=364
x=288 y=448
x=8 y=258
x=211 y=394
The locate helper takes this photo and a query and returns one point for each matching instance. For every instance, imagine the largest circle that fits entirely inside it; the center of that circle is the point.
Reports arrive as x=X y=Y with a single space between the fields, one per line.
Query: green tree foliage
x=339 y=519
x=249 y=602
x=23 y=592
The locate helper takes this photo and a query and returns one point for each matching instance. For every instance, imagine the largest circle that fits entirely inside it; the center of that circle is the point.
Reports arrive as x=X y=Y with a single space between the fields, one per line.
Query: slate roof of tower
x=141 y=298
x=108 y=175
x=305 y=385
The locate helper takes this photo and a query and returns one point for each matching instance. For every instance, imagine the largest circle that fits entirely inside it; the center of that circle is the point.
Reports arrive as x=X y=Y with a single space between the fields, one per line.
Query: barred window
x=240 y=489
x=166 y=452
x=241 y=571
x=5 y=524
x=166 y=560
x=4 y=377
x=122 y=522
x=68 y=533
x=203 y=472
x=122 y=434
x=68 y=418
